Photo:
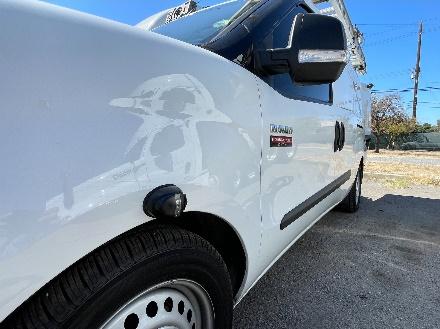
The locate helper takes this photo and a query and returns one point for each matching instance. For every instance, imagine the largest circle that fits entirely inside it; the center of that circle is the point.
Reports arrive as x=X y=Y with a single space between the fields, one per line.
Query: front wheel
x=178 y=303
x=161 y=278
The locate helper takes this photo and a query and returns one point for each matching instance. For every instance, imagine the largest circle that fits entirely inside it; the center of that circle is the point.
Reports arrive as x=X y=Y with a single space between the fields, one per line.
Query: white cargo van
x=150 y=178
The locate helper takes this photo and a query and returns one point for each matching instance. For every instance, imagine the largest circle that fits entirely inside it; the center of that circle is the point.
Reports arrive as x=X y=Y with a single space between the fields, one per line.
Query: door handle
x=337 y=136
x=339 y=142
x=342 y=139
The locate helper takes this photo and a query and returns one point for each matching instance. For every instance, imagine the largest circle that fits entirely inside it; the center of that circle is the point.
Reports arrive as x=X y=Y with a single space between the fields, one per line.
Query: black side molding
x=304 y=207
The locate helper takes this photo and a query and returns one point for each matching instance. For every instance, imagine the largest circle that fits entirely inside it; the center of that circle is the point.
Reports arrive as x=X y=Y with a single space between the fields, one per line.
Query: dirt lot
x=378 y=268
x=404 y=169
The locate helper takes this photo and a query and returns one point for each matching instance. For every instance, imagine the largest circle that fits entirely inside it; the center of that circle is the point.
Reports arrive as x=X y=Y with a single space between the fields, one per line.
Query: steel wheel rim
x=358 y=189
x=176 y=304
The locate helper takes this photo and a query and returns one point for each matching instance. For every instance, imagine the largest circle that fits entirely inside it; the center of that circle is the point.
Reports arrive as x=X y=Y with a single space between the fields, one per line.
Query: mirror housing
x=317 y=51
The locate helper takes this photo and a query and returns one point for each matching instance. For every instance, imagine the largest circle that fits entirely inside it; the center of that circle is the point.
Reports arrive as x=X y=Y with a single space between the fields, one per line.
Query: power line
x=404 y=90
x=387 y=75
x=425 y=21
x=423 y=102
x=434 y=29
x=386 y=31
x=386 y=24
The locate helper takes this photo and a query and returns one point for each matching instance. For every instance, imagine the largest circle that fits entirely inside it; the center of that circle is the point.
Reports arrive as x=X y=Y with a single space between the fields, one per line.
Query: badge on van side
x=280 y=129
x=278 y=136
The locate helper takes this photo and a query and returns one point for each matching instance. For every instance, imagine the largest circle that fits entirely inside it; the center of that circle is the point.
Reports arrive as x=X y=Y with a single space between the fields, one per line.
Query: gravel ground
x=378 y=268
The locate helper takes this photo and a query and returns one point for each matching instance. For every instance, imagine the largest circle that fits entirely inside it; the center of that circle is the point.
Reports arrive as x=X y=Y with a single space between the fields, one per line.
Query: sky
x=390 y=29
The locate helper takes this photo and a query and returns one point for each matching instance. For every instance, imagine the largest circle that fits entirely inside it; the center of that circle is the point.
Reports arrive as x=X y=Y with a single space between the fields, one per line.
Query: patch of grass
x=398 y=183
x=397 y=154
x=391 y=182
x=401 y=175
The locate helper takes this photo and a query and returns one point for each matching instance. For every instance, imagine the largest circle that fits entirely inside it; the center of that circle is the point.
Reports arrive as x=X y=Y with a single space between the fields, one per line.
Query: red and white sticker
x=281 y=141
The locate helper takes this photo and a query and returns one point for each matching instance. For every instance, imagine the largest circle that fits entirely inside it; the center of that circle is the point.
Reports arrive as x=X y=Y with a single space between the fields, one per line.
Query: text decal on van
x=281 y=140
x=280 y=129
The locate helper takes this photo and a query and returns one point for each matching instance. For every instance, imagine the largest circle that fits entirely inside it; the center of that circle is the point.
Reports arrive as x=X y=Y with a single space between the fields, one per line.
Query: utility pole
x=417 y=72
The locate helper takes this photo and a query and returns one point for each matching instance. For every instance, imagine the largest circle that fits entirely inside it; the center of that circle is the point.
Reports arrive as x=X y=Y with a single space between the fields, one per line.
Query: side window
x=279 y=38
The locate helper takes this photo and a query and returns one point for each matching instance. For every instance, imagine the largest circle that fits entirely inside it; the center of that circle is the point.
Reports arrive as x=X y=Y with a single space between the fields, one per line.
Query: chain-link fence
x=419 y=141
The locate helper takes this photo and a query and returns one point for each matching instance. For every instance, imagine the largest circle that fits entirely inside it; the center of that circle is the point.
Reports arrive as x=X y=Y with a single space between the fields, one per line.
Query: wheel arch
x=223 y=237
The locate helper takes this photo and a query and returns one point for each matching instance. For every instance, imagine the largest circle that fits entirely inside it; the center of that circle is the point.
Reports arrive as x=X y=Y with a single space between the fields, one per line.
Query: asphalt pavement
x=378 y=268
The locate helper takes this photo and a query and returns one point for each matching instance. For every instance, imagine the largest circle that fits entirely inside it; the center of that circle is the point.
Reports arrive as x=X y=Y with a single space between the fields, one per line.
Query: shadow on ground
x=378 y=268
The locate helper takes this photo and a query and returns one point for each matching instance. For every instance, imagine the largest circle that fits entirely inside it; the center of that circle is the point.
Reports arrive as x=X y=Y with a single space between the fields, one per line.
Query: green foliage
x=389 y=118
x=426 y=128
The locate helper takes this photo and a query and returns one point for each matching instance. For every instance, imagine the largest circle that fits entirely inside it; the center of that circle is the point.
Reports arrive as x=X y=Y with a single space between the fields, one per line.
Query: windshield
x=204 y=25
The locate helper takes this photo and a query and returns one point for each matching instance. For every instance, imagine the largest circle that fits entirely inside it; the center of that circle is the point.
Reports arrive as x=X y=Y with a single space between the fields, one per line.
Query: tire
x=130 y=274
x=352 y=201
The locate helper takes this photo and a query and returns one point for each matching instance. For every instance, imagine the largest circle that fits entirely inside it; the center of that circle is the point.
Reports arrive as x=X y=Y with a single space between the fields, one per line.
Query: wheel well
x=210 y=227
x=222 y=236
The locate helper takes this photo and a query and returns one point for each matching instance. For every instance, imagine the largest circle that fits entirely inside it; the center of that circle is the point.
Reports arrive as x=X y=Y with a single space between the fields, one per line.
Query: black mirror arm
x=273 y=61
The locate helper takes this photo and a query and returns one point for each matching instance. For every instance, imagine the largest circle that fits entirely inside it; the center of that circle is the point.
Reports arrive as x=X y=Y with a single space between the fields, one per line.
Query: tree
x=388 y=117
x=402 y=127
x=425 y=128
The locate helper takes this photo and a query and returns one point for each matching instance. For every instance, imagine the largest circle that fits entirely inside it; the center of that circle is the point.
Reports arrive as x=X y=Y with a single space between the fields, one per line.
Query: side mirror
x=316 y=54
